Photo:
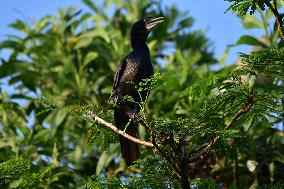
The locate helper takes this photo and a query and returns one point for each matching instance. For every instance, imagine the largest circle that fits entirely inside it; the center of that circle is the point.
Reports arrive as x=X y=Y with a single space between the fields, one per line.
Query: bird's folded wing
x=119 y=73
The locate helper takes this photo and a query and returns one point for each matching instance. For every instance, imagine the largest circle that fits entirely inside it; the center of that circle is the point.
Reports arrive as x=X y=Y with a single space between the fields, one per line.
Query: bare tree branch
x=118 y=131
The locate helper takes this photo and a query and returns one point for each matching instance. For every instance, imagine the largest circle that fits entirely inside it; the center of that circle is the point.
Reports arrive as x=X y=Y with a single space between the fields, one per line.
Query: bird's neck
x=138 y=41
x=139 y=45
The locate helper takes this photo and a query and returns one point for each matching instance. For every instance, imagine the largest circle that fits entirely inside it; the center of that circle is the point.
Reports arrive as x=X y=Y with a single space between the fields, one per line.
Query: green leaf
x=222 y=59
x=250 y=22
x=19 y=25
x=83 y=42
x=15 y=45
x=249 y=40
x=101 y=163
x=251 y=81
x=187 y=22
x=90 y=57
x=7 y=69
x=86 y=38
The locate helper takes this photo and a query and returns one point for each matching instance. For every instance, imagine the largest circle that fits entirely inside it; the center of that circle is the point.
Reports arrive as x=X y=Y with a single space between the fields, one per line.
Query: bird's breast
x=138 y=66
x=138 y=69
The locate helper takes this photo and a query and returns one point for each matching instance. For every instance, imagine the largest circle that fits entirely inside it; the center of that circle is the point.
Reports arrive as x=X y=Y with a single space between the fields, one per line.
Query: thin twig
x=273 y=8
x=115 y=129
x=244 y=109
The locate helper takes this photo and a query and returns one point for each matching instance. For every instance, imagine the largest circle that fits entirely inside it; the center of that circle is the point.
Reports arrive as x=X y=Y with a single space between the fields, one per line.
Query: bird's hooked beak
x=153 y=22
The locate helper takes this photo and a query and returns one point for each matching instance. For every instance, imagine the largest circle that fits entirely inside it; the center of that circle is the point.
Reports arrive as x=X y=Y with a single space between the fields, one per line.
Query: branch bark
x=183 y=165
x=273 y=8
x=101 y=121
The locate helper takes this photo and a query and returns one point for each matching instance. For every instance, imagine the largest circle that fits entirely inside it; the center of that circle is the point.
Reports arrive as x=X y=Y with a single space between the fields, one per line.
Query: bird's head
x=141 y=29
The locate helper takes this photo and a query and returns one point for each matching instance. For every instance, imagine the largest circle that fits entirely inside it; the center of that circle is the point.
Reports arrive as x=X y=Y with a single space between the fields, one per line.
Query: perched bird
x=133 y=68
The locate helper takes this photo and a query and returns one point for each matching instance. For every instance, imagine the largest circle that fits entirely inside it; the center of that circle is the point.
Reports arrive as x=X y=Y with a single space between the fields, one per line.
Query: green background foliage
x=70 y=59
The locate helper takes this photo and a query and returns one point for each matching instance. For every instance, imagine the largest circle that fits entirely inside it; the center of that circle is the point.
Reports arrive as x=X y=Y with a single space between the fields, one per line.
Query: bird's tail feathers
x=129 y=149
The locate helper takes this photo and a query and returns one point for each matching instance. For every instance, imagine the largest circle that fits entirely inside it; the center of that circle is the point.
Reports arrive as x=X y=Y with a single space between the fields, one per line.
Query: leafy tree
x=206 y=128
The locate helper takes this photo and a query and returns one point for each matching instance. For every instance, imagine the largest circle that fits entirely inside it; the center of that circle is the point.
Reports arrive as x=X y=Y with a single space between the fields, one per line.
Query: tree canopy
x=210 y=125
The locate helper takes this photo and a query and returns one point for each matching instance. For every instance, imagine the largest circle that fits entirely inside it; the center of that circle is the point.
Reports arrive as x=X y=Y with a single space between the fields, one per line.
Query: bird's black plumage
x=133 y=68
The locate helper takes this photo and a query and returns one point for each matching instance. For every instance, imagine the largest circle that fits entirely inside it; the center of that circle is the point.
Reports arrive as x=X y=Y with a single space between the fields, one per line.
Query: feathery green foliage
x=68 y=61
x=241 y=7
x=12 y=170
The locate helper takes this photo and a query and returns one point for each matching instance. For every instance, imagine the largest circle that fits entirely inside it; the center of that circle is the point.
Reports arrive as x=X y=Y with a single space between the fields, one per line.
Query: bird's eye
x=146 y=20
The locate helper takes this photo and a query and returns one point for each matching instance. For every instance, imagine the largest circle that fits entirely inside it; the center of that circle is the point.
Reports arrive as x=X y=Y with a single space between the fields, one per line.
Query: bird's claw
x=135 y=116
x=116 y=98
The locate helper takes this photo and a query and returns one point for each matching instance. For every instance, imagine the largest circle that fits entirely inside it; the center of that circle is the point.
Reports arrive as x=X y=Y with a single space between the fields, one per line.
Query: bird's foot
x=138 y=118
x=116 y=98
x=135 y=116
